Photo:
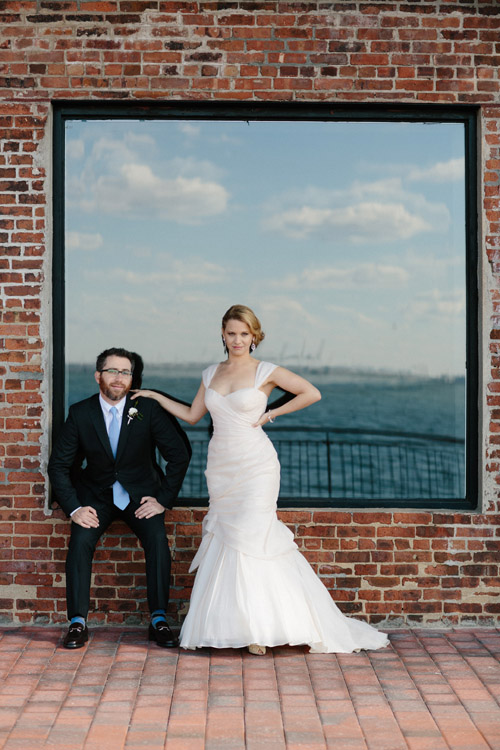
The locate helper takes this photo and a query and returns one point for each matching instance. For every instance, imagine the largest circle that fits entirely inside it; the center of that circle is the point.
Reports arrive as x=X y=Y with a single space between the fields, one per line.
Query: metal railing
x=323 y=463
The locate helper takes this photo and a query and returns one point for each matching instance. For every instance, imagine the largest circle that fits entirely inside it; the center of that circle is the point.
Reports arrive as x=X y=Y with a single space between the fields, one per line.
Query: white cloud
x=189 y=129
x=139 y=139
x=75 y=148
x=442 y=171
x=434 y=261
x=288 y=309
x=189 y=166
x=108 y=150
x=437 y=303
x=361 y=222
x=180 y=274
x=388 y=188
x=83 y=241
x=378 y=211
x=137 y=191
x=121 y=177
x=361 y=275
x=353 y=314
x=108 y=153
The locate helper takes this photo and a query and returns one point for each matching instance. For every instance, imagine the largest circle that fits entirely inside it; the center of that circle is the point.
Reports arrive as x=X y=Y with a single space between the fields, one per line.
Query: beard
x=112 y=393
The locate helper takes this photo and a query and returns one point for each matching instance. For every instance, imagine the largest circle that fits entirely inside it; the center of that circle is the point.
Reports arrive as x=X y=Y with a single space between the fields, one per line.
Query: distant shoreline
x=322 y=374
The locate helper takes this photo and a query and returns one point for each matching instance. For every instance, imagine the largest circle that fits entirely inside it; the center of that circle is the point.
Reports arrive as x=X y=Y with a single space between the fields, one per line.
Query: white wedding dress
x=252 y=583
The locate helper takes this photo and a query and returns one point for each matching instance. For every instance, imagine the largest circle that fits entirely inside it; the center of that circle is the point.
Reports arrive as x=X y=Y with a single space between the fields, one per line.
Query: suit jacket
x=84 y=436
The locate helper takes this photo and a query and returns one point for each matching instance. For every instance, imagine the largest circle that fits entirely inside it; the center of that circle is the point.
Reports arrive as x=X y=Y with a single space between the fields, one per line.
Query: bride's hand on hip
x=263 y=420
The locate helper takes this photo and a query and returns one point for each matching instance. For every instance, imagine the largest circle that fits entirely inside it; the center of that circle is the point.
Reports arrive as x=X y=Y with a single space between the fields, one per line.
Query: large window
x=351 y=235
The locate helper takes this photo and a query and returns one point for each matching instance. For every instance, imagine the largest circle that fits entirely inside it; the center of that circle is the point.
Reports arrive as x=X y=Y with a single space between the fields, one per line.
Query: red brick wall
x=417 y=566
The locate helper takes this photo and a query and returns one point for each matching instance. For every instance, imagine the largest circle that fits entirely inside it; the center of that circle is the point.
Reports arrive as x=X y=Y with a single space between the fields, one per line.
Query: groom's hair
x=114 y=352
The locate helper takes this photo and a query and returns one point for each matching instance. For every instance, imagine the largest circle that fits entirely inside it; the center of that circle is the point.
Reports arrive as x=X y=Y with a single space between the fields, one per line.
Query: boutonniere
x=133 y=413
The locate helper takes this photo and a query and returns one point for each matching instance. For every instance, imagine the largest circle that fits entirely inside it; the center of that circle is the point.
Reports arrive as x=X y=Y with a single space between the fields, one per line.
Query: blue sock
x=158 y=616
x=79 y=619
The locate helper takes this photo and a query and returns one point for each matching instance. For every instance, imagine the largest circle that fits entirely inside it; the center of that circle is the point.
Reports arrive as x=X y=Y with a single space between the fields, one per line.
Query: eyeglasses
x=114 y=371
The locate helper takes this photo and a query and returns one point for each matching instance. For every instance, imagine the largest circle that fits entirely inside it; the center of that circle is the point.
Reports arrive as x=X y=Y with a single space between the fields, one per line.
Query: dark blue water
x=403 y=404
x=367 y=467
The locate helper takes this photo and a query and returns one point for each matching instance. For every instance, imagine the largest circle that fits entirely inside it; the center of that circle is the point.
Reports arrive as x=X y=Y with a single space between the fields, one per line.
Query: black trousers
x=153 y=539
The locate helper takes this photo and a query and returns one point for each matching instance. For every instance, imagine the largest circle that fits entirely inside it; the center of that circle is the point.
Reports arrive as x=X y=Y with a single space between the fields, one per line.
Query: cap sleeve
x=208 y=374
x=264 y=370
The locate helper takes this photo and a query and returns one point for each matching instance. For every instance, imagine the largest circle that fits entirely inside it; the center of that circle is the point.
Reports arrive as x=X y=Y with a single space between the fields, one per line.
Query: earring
x=252 y=346
x=224 y=344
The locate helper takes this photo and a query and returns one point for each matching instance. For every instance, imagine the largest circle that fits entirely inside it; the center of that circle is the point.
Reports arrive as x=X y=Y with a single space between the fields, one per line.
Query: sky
x=347 y=239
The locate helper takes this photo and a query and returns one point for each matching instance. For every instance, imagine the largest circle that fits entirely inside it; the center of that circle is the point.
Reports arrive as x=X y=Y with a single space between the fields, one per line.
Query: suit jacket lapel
x=124 y=430
x=97 y=418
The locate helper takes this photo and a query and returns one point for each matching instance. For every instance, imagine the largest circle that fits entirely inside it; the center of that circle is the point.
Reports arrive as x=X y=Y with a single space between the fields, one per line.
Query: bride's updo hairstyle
x=245 y=315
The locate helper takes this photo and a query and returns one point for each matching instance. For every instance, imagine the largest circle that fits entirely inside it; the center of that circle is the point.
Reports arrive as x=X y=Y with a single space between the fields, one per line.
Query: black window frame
x=296 y=111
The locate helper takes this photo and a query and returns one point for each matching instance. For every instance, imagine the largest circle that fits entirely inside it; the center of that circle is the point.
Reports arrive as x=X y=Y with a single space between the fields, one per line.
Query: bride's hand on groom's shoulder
x=142 y=393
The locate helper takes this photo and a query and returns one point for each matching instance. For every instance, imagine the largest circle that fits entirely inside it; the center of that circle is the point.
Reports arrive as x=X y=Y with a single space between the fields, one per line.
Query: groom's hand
x=86 y=517
x=149 y=507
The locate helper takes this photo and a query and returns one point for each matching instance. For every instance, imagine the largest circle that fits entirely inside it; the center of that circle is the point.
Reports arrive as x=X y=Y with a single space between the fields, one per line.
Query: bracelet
x=270 y=418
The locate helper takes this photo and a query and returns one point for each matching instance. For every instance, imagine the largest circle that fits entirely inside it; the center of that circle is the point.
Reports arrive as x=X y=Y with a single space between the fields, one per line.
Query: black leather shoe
x=163 y=635
x=77 y=636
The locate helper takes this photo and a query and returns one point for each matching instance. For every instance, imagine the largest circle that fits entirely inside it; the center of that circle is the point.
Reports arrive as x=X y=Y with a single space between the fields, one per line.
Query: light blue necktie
x=120 y=494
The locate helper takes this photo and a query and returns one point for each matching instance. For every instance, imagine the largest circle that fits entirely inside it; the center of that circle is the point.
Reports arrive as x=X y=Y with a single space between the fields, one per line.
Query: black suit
x=84 y=435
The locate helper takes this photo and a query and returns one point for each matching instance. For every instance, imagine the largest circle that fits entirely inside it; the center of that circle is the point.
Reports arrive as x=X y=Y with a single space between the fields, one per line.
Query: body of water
x=319 y=462
x=360 y=401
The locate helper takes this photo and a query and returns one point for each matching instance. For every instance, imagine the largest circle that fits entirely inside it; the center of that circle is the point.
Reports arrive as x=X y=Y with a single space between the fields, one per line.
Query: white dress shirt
x=106 y=411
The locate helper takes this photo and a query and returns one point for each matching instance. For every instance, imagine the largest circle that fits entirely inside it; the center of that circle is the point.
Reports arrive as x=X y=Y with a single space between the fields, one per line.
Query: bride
x=253 y=587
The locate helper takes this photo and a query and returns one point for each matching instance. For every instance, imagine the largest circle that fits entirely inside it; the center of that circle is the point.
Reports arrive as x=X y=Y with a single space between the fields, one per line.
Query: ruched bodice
x=252 y=584
x=234 y=413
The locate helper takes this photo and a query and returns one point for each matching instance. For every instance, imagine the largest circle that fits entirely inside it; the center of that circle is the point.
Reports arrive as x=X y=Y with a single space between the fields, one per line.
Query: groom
x=117 y=437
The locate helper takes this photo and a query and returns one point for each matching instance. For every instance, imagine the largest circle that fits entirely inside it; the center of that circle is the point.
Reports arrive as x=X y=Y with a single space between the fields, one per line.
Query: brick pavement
x=431 y=690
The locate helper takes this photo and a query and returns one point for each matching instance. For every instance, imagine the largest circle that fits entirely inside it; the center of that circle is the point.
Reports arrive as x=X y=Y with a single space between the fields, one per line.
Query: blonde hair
x=245 y=315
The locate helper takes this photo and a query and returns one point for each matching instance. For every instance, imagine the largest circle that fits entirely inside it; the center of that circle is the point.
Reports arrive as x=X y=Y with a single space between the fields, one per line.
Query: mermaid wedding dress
x=252 y=584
